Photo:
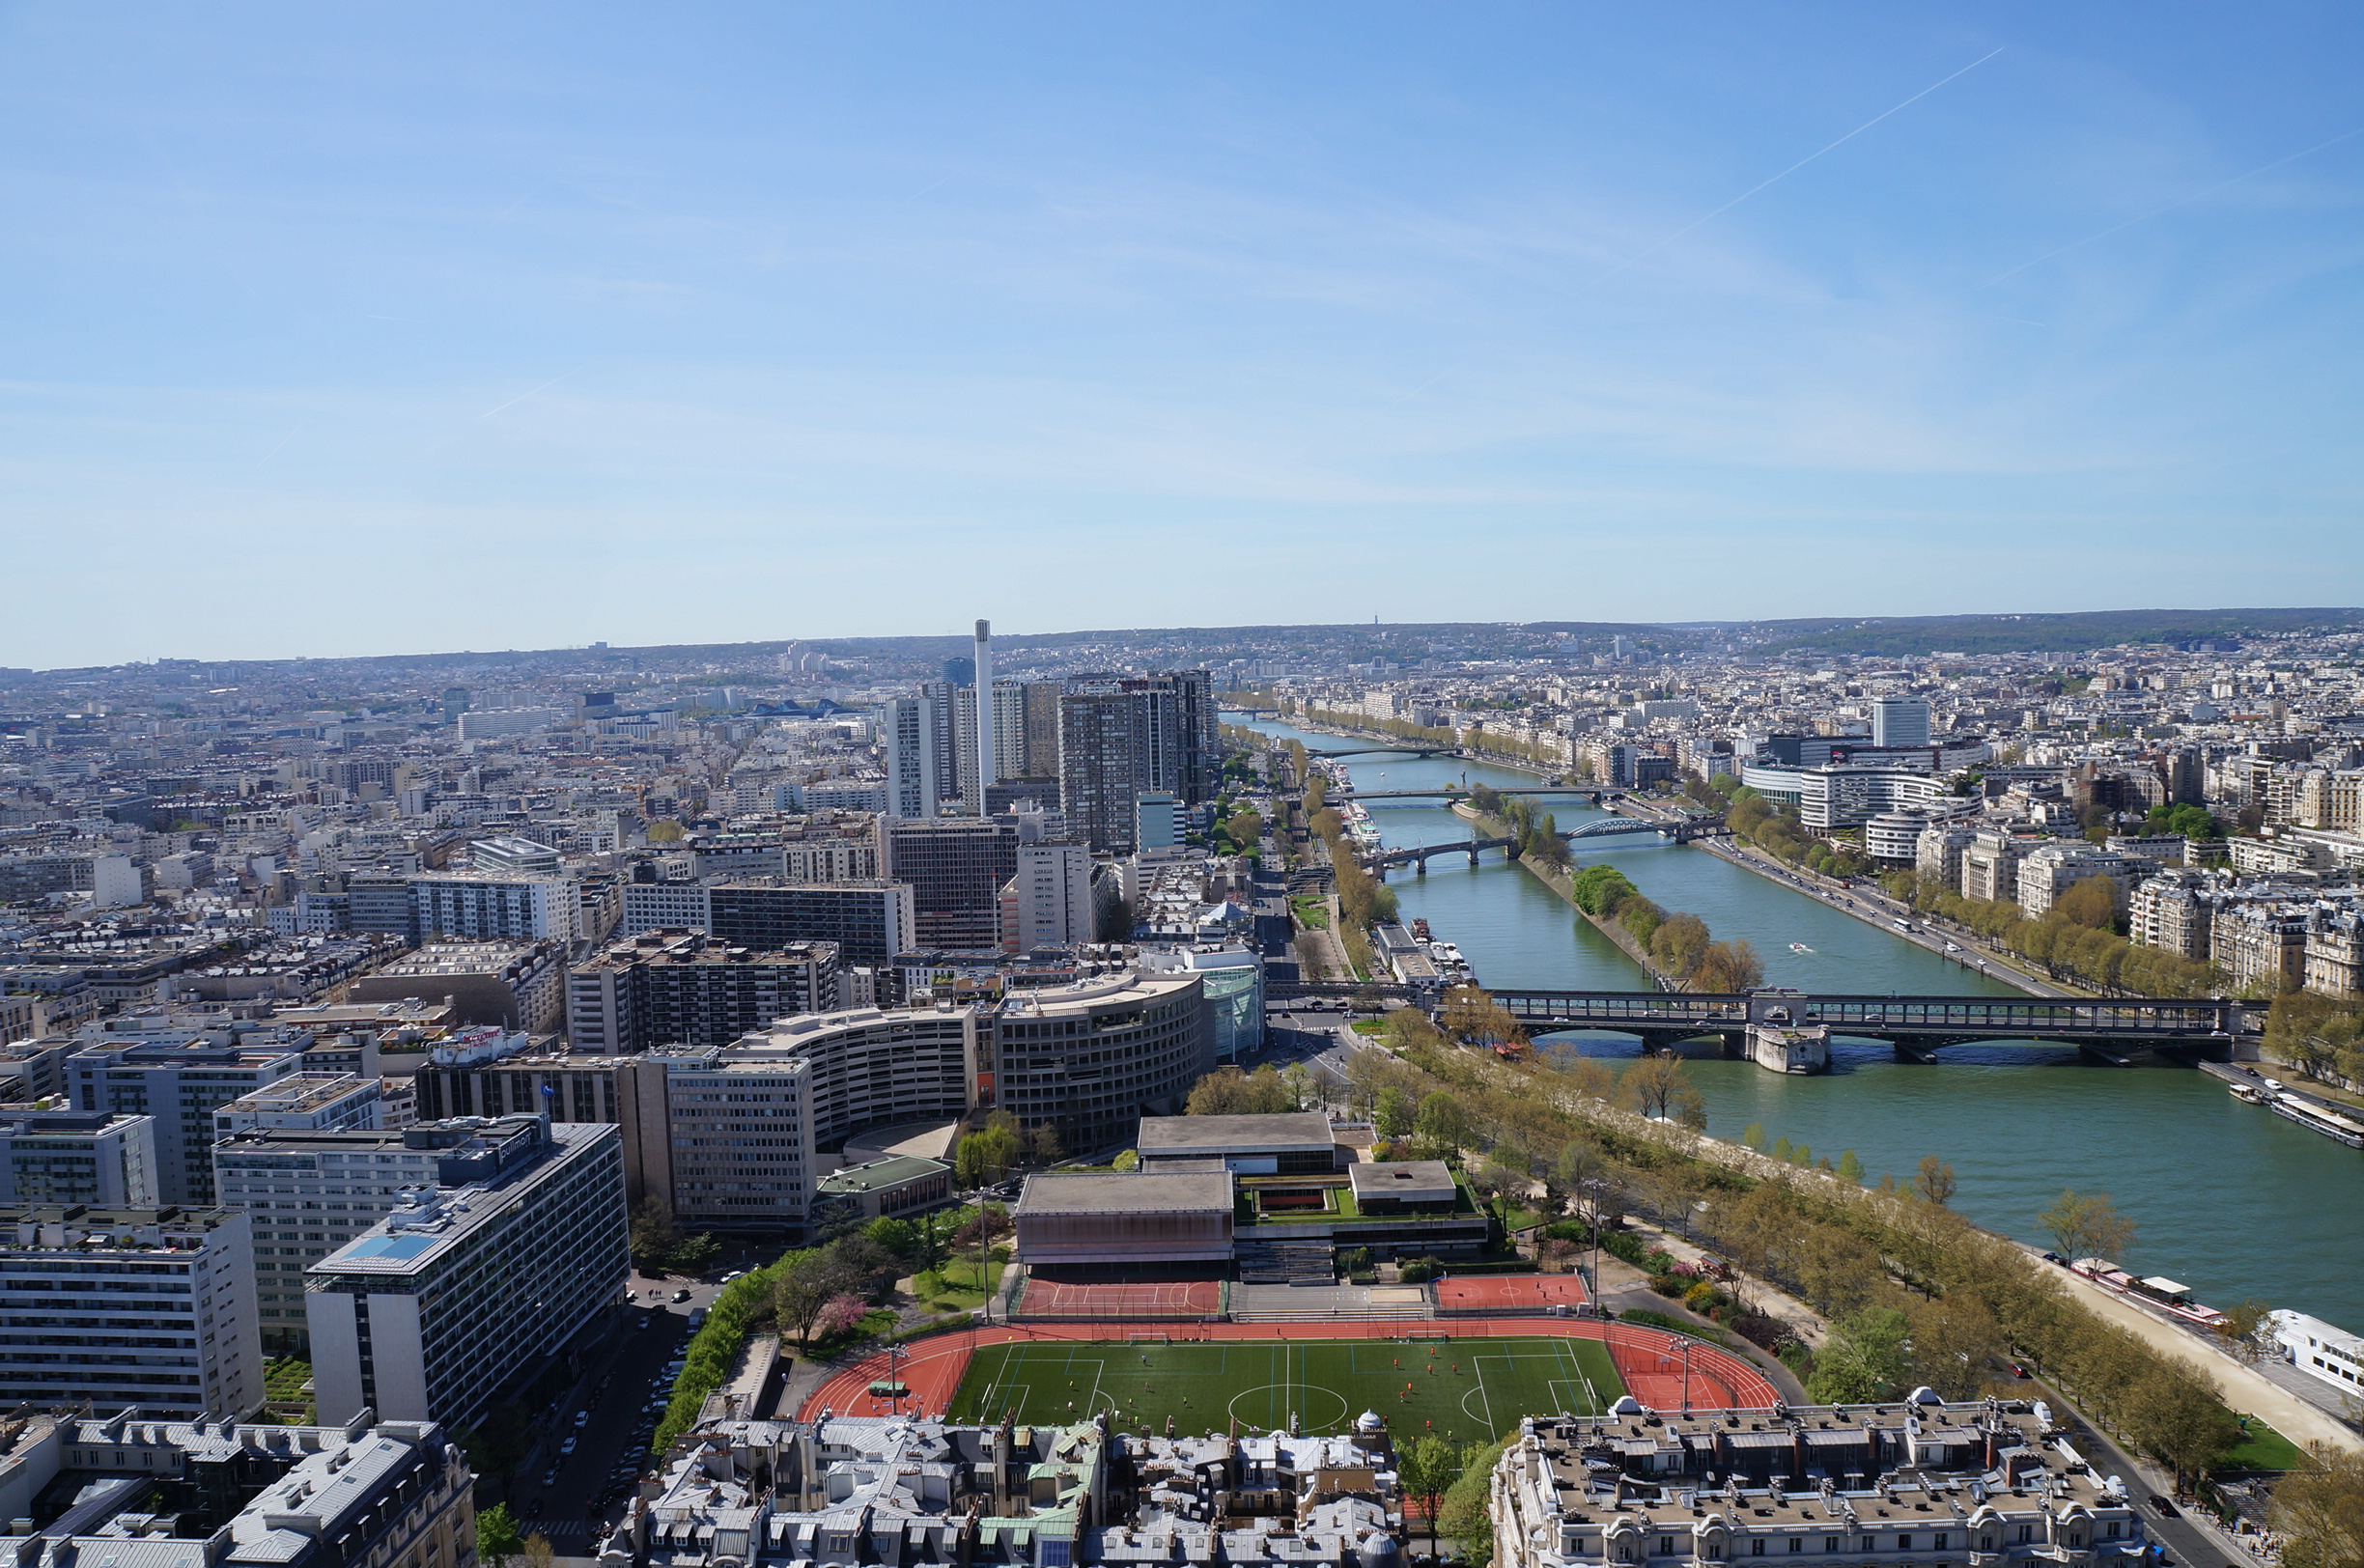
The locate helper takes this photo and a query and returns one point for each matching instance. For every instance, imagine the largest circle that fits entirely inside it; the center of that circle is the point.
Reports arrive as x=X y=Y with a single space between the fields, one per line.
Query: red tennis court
x=1651 y=1361
x=1508 y=1293
x=1052 y=1297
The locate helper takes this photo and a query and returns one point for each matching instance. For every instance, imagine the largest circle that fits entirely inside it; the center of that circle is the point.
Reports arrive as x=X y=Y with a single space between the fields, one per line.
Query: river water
x=2228 y=1198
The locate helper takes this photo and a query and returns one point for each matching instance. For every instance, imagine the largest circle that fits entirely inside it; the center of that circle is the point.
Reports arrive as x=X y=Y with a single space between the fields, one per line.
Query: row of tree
x=1969 y=1299
x=1001 y=1146
x=1267 y=1091
x=1680 y=944
x=1778 y=831
x=2075 y=938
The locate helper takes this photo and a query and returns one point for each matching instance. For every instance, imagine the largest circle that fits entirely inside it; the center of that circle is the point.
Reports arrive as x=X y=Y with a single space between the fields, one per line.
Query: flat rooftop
x=1403 y=1181
x=1295 y=1131
x=1050 y=1192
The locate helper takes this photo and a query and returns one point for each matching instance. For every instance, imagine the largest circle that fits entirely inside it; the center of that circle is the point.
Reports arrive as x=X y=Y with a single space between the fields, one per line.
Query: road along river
x=2228 y=1198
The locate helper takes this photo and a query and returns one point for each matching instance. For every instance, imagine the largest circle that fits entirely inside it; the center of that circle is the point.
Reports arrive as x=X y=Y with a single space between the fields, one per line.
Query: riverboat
x=2315 y=1118
x=2157 y=1292
x=1800 y=947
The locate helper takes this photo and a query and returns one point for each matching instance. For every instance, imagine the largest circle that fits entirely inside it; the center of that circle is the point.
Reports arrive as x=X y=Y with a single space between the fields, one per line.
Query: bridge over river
x=1682 y=830
x=1916 y=1026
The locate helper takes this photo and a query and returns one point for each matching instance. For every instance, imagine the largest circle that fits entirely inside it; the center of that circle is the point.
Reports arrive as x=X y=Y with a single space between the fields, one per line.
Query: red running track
x=1651 y=1361
x=1491 y=1293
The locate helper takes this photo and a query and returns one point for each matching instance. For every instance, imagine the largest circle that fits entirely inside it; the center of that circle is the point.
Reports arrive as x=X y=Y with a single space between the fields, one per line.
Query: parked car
x=568 y=1446
x=550 y=1479
x=682 y=1295
x=582 y=1418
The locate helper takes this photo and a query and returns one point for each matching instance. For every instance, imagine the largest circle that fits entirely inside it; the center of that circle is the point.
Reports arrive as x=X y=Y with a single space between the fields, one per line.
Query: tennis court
x=1510 y=1293
x=1051 y=1295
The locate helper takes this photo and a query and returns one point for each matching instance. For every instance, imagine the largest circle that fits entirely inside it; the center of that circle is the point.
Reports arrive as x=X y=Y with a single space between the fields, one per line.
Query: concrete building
x=1047 y=899
x=489 y=906
x=2335 y=953
x=570 y=1088
x=2171 y=911
x=115 y=883
x=681 y=988
x=305 y=1103
x=1091 y=1058
x=1899 y=721
x=515 y=985
x=868 y=922
x=63 y=1157
x=1131 y=1218
x=1939 y=849
x=1121 y=735
x=462 y=1288
x=136 y=1306
x=955 y=867
x=396 y=1493
x=2261 y=944
x=885 y=1188
x=1921 y=1483
x=178 y=1085
x=508 y=854
x=908 y=736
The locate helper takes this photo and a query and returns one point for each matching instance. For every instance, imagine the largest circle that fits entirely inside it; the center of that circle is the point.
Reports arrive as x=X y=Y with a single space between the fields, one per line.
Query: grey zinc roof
x=1051 y=1193
x=1300 y=1130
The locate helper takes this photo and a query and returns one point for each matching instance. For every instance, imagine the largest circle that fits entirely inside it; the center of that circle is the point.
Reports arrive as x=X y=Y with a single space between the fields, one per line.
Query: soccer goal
x=1148 y=1339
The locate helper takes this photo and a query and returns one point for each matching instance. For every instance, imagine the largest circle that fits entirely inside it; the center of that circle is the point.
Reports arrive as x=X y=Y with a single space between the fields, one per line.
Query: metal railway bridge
x=1915 y=1027
x=1681 y=832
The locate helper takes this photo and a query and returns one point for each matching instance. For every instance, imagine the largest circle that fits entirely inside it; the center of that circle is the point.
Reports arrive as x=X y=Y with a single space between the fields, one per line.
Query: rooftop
x=1291 y=1132
x=1056 y=1193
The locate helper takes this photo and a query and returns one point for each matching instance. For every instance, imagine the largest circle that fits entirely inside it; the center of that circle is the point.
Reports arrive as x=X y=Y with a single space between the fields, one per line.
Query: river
x=2229 y=1199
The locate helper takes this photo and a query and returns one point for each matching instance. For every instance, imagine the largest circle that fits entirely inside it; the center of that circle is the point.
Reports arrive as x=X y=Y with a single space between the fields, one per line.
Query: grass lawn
x=2265 y=1450
x=1312 y=913
x=956 y=1284
x=1478 y=1390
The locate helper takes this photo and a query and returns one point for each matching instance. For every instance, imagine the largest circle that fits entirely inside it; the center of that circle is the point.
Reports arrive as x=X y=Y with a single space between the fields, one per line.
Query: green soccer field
x=1467 y=1389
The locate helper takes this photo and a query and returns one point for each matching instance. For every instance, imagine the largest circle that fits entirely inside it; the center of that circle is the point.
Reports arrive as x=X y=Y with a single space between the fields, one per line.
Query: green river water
x=2228 y=1198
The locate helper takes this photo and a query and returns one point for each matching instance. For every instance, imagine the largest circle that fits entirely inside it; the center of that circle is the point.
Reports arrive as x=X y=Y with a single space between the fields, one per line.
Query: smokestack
x=986 y=774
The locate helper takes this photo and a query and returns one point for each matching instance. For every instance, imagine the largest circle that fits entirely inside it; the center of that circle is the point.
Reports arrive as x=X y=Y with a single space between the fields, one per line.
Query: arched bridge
x=1914 y=1026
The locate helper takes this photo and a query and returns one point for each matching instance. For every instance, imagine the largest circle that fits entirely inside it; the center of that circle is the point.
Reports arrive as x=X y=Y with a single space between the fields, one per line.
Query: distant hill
x=2072 y=632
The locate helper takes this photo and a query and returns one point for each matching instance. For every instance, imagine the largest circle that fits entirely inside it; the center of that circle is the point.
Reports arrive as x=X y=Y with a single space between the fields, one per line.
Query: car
x=2016 y=1370
x=2054 y=1257
x=734 y=1273
x=550 y=1479
x=568 y=1446
x=645 y=1321
x=582 y=1418
x=2166 y=1509
x=682 y=1295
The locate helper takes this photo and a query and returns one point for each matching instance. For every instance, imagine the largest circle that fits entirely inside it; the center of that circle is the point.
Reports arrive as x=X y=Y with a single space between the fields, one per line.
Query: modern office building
x=570 y=1088
x=178 y=1085
x=659 y=905
x=955 y=867
x=68 y=1156
x=682 y=988
x=422 y=905
x=1901 y=722
x=1092 y=1057
x=129 y=1306
x=512 y=855
x=1233 y=979
x=518 y=1247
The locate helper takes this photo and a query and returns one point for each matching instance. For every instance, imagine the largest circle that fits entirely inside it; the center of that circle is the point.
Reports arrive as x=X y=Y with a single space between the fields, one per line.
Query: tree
x=665 y=831
x=1955 y=1339
x=807 y=1284
x=497 y=1539
x=2175 y=1413
x=1395 y=1113
x=537 y=1551
x=1574 y=1168
x=1229 y=1092
x=899 y=1237
x=2087 y=1227
x=1753 y=1135
x=1661 y=1086
x=653 y=1236
x=694 y=1254
x=1503 y=1178
x=1728 y=966
x=841 y=1314
x=2091 y=902
x=1043 y=1146
x=1297 y=1081
x=1679 y=944
x=1865 y=1360
x=1935 y=1182
x=2247 y=1330
x=1443 y=1122
x=2319 y=1510
x=1850 y=1168
x=1428 y=1466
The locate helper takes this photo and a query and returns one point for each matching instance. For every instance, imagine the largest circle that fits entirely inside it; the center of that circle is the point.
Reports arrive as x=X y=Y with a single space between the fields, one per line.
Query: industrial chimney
x=986 y=774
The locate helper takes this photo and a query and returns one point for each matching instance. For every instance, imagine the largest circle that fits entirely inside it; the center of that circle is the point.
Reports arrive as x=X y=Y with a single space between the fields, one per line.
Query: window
x=1938 y=1542
x=1665 y=1546
x=1830 y=1543
x=1796 y=1545
x=1755 y=1548
x=1904 y=1542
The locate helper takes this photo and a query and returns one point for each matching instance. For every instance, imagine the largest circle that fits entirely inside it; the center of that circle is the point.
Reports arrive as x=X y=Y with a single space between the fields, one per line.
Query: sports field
x=1467 y=1388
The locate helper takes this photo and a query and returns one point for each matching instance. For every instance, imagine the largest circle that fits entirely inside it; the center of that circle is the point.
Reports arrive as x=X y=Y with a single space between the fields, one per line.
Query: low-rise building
x=1818 y=1486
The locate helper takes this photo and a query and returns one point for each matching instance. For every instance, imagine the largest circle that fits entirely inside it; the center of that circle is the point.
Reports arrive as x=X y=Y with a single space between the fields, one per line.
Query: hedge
x=743 y=1304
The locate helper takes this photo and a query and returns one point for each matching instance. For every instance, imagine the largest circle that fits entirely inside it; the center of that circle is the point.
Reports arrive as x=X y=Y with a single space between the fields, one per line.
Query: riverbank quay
x=2240 y=1386
x=1564 y=883
x=1517 y=765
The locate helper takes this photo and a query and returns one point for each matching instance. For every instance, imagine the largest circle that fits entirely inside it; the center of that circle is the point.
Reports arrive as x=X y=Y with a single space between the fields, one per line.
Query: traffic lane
x=586 y=1477
x=2183 y=1541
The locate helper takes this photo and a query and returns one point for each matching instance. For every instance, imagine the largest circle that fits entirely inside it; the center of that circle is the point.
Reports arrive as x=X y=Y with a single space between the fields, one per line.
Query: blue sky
x=375 y=328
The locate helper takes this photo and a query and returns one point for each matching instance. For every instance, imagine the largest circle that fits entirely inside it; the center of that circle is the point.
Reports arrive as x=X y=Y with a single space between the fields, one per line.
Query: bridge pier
x=1918 y=1054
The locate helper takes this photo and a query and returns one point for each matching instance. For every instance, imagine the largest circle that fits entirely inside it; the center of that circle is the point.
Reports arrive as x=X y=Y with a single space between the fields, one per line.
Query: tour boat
x=1800 y=947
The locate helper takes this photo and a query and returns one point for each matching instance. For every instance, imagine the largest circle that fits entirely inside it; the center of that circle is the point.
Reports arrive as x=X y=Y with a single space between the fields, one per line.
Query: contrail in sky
x=523 y=396
x=2182 y=201
x=1795 y=167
